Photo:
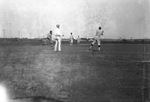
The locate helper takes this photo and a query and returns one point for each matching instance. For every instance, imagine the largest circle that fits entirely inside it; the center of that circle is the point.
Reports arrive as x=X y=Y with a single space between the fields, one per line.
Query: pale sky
x=35 y=18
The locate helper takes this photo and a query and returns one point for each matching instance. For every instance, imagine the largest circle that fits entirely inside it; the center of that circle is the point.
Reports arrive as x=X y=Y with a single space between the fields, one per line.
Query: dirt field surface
x=118 y=73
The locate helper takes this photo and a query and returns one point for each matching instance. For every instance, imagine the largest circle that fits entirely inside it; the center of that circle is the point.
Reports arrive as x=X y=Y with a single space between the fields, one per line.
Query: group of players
x=57 y=38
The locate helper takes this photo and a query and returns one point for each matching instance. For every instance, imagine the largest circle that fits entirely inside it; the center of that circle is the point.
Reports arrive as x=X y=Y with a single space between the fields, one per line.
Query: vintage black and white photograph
x=74 y=50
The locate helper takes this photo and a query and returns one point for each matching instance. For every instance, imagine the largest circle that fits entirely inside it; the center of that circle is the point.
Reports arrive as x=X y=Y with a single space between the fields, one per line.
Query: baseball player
x=71 y=39
x=49 y=37
x=58 y=38
x=78 y=40
x=97 y=38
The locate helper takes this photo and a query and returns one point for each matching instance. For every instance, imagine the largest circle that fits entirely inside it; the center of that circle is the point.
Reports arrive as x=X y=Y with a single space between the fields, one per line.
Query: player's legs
x=51 y=43
x=44 y=42
x=56 y=44
x=59 y=44
x=78 y=42
x=92 y=44
x=48 y=38
x=99 y=44
x=71 y=42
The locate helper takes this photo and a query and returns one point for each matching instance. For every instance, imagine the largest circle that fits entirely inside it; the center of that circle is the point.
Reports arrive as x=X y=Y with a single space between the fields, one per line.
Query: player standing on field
x=58 y=38
x=78 y=40
x=71 y=39
x=97 y=38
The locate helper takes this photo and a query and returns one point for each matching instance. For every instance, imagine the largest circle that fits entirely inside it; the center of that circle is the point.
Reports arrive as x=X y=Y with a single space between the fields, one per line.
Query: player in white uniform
x=97 y=38
x=78 y=40
x=71 y=39
x=58 y=38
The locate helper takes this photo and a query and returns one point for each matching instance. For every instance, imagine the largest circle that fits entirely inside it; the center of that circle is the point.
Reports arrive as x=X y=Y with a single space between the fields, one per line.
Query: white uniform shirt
x=98 y=33
x=71 y=37
x=57 y=32
x=78 y=39
x=49 y=35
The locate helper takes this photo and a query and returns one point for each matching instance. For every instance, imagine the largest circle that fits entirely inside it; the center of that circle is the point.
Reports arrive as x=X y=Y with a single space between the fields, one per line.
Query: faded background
x=34 y=18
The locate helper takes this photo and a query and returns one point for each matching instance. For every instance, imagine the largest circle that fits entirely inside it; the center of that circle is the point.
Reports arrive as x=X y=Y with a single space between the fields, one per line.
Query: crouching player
x=97 y=39
x=49 y=37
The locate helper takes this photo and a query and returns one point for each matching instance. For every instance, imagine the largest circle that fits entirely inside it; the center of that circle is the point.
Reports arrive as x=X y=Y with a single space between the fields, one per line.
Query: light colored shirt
x=78 y=39
x=49 y=35
x=98 y=33
x=57 y=32
x=71 y=36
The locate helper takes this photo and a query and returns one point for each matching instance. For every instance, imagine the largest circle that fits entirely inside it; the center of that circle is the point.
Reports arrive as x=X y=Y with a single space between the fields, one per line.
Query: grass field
x=118 y=73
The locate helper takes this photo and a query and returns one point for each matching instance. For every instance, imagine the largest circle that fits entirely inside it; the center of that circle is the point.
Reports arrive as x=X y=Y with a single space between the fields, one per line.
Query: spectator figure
x=71 y=39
